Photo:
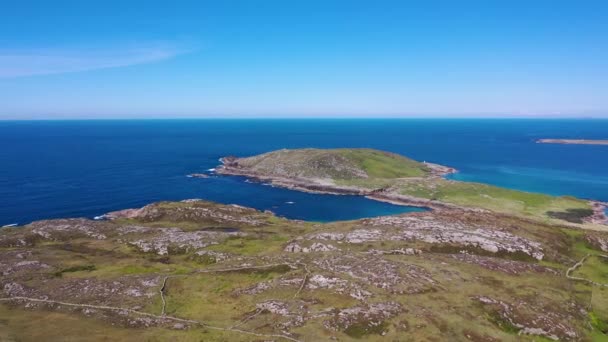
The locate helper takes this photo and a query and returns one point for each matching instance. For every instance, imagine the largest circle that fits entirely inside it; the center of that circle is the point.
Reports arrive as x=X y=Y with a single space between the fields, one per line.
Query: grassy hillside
x=228 y=273
x=490 y=197
x=336 y=164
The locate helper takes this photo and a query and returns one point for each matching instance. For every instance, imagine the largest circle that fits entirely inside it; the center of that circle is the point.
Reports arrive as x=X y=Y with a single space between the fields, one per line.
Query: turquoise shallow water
x=86 y=168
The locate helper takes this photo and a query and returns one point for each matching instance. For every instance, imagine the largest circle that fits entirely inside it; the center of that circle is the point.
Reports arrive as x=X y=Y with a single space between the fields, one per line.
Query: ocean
x=53 y=169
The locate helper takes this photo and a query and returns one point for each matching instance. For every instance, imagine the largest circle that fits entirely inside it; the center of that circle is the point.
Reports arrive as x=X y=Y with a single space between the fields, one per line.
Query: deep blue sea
x=51 y=169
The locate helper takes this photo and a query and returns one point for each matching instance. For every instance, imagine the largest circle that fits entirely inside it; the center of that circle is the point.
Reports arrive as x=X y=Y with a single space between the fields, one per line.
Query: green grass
x=598 y=313
x=447 y=311
x=574 y=215
x=109 y=268
x=361 y=329
x=137 y=269
x=337 y=164
x=250 y=246
x=502 y=323
x=492 y=197
x=367 y=183
x=79 y=268
x=209 y=297
x=53 y=326
x=598 y=323
x=595 y=268
x=379 y=164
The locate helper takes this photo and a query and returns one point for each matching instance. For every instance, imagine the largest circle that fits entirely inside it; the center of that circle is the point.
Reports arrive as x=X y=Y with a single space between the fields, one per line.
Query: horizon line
x=314 y=118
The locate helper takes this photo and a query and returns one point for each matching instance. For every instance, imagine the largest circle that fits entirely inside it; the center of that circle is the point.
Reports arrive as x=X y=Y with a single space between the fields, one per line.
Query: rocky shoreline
x=599 y=213
x=231 y=167
x=417 y=202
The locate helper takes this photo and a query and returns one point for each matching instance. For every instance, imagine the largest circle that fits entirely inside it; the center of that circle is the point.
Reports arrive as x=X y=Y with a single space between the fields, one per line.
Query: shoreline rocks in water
x=599 y=215
x=198 y=175
x=439 y=170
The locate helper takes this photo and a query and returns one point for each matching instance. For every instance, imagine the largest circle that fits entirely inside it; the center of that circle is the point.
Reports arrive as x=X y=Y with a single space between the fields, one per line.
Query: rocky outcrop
x=192 y=211
x=528 y=317
x=436 y=231
x=438 y=274
x=66 y=229
x=598 y=241
x=599 y=213
x=444 y=231
x=294 y=247
x=501 y=265
x=176 y=241
x=367 y=319
x=396 y=278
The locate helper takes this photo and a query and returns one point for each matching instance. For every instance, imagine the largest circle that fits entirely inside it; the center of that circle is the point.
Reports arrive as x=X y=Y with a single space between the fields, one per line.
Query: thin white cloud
x=58 y=61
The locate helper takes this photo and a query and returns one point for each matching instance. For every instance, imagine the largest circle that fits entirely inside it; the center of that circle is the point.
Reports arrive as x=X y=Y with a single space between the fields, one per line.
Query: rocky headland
x=201 y=271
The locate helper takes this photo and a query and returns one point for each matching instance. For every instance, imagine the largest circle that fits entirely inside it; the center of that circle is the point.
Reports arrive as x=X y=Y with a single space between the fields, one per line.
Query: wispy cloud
x=58 y=61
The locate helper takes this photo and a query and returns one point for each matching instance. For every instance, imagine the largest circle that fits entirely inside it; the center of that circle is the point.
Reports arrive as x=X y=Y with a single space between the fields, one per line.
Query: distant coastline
x=573 y=141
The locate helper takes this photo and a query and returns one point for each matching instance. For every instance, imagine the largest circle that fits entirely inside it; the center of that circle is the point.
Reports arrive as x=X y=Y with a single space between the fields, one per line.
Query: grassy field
x=490 y=197
x=384 y=165
x=337 y=164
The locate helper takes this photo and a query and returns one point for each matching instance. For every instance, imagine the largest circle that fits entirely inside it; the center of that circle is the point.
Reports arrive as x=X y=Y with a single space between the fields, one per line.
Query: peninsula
x=573 y=141
x=486 y=264
x=390 y=177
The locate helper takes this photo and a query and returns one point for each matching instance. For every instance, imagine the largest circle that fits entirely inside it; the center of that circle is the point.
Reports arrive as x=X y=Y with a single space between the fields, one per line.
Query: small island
x=389 y=177
x=573 y=141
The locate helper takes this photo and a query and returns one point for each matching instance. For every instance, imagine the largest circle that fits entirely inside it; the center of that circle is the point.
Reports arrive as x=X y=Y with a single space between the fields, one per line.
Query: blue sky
x=153 y=59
